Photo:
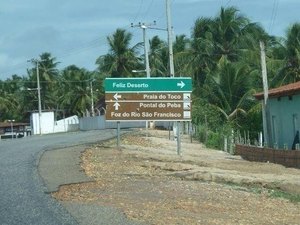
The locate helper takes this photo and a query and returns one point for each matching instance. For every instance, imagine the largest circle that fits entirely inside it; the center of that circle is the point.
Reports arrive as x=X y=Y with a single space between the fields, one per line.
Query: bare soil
x=150 y=183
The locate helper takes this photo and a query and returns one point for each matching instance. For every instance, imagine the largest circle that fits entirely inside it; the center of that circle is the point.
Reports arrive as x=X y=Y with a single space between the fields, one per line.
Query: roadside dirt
x=150 y=183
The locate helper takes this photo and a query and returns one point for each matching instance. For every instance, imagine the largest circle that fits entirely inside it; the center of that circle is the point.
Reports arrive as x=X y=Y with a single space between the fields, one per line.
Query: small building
x=15 y=130
x=49 y=125
x=283 y=115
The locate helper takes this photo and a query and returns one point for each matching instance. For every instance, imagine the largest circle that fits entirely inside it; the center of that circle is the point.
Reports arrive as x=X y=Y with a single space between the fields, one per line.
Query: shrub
x=214 y=140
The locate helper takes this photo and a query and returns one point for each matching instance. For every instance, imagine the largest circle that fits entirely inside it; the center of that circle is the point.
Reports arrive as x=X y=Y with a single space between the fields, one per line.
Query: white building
x=49 y=125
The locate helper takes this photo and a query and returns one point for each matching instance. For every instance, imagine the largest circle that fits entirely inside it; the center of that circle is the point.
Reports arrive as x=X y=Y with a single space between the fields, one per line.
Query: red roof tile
x=286 y=90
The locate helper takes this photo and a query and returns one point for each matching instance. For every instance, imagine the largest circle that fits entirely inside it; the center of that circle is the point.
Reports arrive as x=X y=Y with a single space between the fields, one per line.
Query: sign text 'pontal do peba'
x=153 y=99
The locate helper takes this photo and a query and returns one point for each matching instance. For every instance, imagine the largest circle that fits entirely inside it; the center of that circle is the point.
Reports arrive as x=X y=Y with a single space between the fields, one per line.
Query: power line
x=148 y=9
x=97 y=42
x=228 y=2
x=87 y=46
x=94 y=43
x=139 y=11
x=274 y=14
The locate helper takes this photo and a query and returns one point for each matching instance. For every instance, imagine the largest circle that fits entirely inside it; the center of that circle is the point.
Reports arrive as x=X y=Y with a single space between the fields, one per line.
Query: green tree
x=198 y=58
x=7 y=101
x=180 y=47
x=289 y=52
x=229 y=90
x=224 y=62
x=48 y=74
x=74 y=90
x=158 y=57
x=121 y=58
x=230 y=35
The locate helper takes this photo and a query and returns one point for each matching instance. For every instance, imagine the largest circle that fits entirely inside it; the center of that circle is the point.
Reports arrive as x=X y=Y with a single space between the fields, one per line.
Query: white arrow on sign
x=117 y=96
x=181 y=84
x=116 y=105
x=186 y=106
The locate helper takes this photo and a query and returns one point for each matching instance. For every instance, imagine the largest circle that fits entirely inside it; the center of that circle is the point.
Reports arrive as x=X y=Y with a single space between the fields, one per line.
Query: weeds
x=272 y=193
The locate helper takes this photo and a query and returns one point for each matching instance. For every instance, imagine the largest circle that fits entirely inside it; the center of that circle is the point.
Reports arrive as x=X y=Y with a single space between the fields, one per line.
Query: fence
x=99 y=123
x=288 y=158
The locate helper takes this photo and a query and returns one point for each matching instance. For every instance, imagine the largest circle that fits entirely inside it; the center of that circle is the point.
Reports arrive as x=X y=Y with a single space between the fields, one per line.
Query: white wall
x=47 y=121
x=50 y=126
x=67 y=124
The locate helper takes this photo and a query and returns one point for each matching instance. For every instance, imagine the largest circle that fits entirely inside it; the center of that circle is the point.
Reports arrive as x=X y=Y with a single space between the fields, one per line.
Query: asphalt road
x=23 y=198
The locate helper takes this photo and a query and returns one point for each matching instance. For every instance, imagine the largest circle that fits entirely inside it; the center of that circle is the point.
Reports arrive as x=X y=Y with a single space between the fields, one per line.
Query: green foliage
x=281 y=194
x=272 y=193
x=121 y=58
x=214 y=140
x=205 y=115
x=201 y=133
x=158 y=57
x=289 y=53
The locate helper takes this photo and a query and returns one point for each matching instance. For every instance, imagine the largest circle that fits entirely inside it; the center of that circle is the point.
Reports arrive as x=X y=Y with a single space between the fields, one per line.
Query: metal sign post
x=118 y=135
x=178 y=125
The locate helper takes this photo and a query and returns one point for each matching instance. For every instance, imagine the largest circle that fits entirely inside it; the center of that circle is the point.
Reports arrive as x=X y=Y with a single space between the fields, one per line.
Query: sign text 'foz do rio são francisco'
x=154 y=99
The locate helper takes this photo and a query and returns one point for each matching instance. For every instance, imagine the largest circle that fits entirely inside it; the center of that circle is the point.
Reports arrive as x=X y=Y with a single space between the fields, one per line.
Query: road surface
x=22 y=193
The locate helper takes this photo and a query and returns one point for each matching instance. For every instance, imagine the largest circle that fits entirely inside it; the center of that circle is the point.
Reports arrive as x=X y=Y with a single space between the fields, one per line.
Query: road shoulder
x=62 y=167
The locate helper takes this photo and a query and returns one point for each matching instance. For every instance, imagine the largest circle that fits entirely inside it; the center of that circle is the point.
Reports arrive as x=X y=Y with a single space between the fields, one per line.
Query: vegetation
x=222 y=57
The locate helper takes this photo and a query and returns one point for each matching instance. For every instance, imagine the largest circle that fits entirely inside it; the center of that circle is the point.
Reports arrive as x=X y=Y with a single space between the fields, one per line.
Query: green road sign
x=165 y=84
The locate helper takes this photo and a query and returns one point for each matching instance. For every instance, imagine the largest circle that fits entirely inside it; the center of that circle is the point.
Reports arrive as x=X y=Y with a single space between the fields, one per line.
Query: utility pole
x=144 y=27
x=39 y=95
x=170 y=38
x=265 y=111
x=36 y=61
x=177 y=124
x=146 y=50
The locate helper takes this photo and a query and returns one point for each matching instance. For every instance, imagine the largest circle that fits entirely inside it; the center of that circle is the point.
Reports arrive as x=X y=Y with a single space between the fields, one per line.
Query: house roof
x=3 y=125
x=286 y=90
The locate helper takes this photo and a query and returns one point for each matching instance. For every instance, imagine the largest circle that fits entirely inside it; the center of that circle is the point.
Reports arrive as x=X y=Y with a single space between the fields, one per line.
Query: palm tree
x=158 y=57
x=121 y=59
x=223 y=60
x=229 y=89
x=74 y=91
x=5 y=99
x=10 y=107
x=228 y=28
x=48 y=67
x=229 y=35
x=289 y=52
x=180 y=47
x=48 y=74
x=197 y=59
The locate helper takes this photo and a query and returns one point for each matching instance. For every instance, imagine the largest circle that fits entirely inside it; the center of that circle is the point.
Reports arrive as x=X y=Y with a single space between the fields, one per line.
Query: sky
x=75 y=31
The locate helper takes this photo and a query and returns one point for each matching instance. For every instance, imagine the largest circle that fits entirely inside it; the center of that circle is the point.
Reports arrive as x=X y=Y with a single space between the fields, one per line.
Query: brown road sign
x=154 y=110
